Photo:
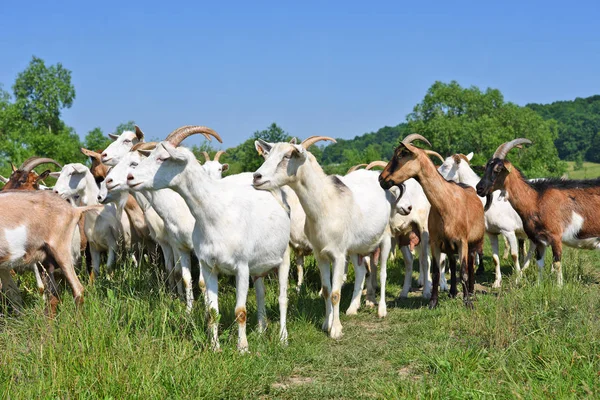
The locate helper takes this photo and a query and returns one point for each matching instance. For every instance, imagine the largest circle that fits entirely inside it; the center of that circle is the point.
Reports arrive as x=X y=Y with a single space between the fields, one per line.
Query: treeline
x=578 y=124
x=453 y=118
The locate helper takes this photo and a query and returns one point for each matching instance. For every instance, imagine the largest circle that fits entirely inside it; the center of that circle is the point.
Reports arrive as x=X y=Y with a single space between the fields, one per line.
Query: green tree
x=96 y=140
x=125 y=126
x=460 y=120
x=42 y=92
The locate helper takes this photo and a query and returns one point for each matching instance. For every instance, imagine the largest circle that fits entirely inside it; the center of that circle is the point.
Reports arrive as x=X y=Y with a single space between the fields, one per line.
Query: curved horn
x=504 y=148
x=354 y=168
x=144 y=146
x=218 y=155
x=138 y=133
x=381 y=164
x=433 y=153
x=306 y=143
x=206 y=156
x=177 y=136
x=33 y=162
x=415 y=136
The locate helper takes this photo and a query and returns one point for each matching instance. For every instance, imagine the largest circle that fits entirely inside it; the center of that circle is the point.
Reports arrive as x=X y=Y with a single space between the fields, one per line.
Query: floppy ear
x=224 y=167
x=262 y=147
x=470 y=156
x=113 y=136
x=80 y=169
x=55 y=174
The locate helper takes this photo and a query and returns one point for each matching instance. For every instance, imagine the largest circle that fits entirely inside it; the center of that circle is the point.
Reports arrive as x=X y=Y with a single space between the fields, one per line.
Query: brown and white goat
x=25 y=178
x=554 y=211
x=456 y=222
x=38 y=226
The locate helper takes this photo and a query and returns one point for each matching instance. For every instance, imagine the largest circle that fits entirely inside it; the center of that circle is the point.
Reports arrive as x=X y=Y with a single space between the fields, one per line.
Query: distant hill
x=578 y=123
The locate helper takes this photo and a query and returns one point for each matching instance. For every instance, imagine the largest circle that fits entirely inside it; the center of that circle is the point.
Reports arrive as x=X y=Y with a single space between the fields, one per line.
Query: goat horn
x=218 y=155
x=306 y=143
x=177 y=136
x=33 y=162
x=144 y=146
x=381 y=164
x=415 y=136
x=354 y=168
x=206 y=156
x=139 y=133
x=504 y=148
x=433 y=153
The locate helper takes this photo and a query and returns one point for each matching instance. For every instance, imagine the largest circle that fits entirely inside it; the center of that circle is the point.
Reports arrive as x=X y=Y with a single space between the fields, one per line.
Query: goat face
x=71 y=181
x=116 y=180
x=402 y=205
x=403 y=166
x=122 y=145
x=453 y=166
x=282 y=161
x=215 y=169
x=25 y=180
x=493 y=178
x=160 y=168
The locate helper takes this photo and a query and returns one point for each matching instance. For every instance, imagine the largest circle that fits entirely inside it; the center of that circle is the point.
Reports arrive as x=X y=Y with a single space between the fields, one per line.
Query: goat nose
x=409 y=208
x=257 y=176
x=129 y=177
x=109 y=180
x=55 y=191
x=103 y=155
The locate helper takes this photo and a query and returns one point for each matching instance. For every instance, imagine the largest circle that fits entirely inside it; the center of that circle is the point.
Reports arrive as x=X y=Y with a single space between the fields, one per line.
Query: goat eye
x=127 y=141
x=133 y=164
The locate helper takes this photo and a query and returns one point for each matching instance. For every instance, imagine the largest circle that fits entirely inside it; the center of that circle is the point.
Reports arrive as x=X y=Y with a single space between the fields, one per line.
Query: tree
x=126 y=126
x=42 y=92
x=96 y=140
x=459 y=120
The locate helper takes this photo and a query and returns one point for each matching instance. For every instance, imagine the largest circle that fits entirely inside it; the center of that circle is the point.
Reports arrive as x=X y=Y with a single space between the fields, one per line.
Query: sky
x=329 y=68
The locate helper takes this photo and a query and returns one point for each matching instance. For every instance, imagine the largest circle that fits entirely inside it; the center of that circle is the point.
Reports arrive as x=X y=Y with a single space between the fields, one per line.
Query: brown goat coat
x=456 y=220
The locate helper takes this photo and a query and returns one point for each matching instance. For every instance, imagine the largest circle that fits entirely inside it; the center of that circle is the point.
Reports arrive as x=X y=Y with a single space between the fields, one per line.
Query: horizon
x=314 y=68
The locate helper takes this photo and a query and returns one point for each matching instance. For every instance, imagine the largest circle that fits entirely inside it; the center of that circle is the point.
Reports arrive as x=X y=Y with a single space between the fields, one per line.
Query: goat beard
x=488 y=202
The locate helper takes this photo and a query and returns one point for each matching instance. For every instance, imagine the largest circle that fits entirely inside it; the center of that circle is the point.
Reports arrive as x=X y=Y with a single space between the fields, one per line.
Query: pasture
x=590 y=170
x=132 y=339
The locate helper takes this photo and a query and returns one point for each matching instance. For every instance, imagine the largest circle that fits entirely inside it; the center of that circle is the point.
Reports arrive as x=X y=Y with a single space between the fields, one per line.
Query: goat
x=344 y=215
x=456 y=221
x=103 y=230
x=25 y=178
x=38 y=226
x=409 y=230
x=214 y=168
x=177 y=220
x=500 y=218
x=298 y=240
x=122 y=145
x=553 y=211
x=238 y=231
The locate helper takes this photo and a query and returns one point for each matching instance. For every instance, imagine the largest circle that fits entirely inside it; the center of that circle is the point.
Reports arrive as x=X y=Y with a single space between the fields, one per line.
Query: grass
x=590 y=170
x=133 y=340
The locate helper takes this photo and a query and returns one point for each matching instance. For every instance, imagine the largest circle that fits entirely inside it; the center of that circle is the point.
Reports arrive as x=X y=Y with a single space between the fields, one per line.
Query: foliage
x=459 y=120
x=578 y=126
x=95 y=140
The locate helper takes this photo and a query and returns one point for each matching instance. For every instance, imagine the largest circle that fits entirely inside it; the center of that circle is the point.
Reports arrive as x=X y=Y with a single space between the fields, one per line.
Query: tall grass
x=132 y=339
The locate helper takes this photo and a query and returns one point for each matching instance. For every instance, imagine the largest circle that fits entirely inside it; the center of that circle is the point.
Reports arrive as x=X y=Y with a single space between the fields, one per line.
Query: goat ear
x=113 y=136
x=299 y=151
x=43 y=175
x=80 y=168
x=14 y=169
x=293 y=140
x=224 y=167
x=174 y=152
x=470 y=156
x=263 y=147
x=55 y=174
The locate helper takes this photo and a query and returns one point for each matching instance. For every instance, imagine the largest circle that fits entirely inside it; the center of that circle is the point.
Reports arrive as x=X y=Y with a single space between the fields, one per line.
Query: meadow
x=133 y=339
x=590 y=170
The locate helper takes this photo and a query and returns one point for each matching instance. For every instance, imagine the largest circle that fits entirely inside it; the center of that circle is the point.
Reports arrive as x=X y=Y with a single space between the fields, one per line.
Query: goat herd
x=246 y=224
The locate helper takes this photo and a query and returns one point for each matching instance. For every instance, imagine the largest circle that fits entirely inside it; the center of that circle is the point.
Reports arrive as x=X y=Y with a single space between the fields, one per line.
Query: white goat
x=298 y=240
x=500 y=217
x=213 y=167
x=239 y=231
x=104 y=230
x=178 y=221
x=344 y=215
x=122 y=145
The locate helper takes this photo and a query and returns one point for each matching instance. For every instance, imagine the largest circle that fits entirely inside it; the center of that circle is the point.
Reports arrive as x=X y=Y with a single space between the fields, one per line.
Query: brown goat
x=25 y=178
x=456 y=220
x=38 y=226
x=554 y=211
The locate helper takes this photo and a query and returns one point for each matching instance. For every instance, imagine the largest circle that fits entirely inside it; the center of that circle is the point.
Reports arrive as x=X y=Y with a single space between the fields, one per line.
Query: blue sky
x=332 y=68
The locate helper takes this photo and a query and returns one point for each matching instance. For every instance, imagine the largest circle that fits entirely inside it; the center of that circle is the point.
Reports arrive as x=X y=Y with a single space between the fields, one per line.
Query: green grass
x=133 y=340
x=590 y=170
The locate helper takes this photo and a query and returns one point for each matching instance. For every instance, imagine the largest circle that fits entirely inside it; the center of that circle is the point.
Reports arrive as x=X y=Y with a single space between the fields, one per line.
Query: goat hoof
x=352 y=311
x=497 y=284
x=369 y=303
x=452 y=294
x=433 y=304
x=469 y=304
x=336 y=332
x=382 y=312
